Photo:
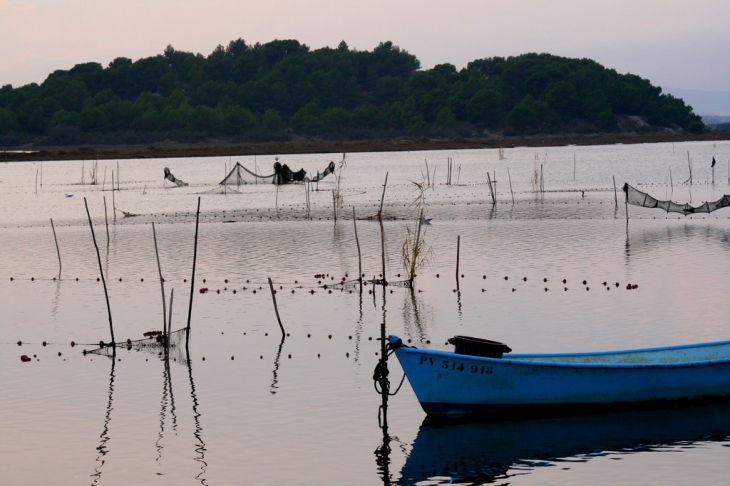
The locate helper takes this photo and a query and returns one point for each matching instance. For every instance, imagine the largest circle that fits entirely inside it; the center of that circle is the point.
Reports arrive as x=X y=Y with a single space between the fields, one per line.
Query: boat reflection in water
x=472 y=452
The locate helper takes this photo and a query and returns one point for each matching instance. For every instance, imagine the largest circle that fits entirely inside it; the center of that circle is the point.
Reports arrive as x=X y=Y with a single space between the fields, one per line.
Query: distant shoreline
x=170 y=149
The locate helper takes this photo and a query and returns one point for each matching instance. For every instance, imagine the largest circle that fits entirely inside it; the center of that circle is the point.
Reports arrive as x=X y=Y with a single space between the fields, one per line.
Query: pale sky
x=674 y=44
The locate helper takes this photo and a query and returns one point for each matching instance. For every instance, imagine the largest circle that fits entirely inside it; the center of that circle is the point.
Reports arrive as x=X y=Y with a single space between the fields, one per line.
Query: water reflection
x=380 y=376
x=198 y=432
x=167 y=404
x=102 y=448
x=481 y=452
x=55 y=303
x=168 y=400
x=275 y=377
x=413 y=318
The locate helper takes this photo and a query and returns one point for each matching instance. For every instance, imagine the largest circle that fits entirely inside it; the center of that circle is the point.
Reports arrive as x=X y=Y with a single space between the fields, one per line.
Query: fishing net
x=321 y=175
x=222 y=190
x=353 y=284
x=153 y=343
x=638 y=198
x=173 y=179
x=240 y=175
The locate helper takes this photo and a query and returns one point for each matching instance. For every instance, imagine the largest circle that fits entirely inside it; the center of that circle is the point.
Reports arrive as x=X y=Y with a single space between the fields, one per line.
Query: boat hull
x=446 y=382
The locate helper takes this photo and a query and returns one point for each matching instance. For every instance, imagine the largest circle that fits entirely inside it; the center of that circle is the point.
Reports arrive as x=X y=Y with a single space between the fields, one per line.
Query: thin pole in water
x=510 y=186
x=276 y=309
x=106 y=222
x=103 y=280
x=169 y=322
x=192 y=279
x=458 y=244
x=689 y=162
x=162 y=280
x=357 y=242
x=114 y=204
x=615 y=197
x=57 y=249
x=491 y=191
x=382 y=230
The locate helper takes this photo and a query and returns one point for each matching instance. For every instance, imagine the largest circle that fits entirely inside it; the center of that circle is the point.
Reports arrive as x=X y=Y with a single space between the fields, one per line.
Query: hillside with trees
x=282 y=89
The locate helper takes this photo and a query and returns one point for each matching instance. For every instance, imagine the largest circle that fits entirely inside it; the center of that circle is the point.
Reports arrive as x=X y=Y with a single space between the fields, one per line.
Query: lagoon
x=249 y=408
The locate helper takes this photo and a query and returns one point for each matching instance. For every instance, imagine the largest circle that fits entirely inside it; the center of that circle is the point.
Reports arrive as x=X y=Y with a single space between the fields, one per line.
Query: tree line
x=282 y=88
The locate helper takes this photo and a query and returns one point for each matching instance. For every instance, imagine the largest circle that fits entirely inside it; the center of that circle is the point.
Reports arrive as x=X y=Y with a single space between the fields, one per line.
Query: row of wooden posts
x=167 y=321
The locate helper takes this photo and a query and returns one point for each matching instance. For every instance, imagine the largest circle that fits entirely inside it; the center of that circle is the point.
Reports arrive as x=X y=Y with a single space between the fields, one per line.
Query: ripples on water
x=304 y=411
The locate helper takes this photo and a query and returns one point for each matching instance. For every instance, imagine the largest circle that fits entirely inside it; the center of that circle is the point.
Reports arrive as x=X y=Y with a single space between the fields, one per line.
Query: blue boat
x=483 y=376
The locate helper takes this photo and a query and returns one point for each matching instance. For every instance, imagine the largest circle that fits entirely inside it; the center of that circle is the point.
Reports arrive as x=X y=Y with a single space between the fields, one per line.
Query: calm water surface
x=248 y=408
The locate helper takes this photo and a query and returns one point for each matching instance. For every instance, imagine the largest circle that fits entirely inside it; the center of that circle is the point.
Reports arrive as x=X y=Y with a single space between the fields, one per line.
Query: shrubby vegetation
x=271 y=91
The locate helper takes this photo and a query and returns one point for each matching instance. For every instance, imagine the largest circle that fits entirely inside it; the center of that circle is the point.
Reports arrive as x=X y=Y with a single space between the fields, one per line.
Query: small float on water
x=484 y=376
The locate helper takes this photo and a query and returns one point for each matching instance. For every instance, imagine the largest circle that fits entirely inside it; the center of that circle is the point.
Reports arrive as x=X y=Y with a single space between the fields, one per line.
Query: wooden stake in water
x=162 y=280
x=334 y=204
x=357 y=242
x=382 y=230
x=118 y=178
x=106 y=221
x=114 y=204
x=615 y=197
x=192 y=279
x=491 y=191
x=510 y=187
x=458 y=244
x=276 y=309
x=689 y=162
x=103 y=280
x=57 y=250
x=169 y=322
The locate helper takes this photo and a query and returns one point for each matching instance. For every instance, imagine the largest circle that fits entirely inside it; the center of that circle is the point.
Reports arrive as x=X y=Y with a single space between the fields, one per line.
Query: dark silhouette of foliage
x=283 y=88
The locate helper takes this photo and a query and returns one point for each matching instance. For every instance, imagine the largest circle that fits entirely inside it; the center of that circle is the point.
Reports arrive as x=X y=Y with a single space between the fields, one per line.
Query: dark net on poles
x=153 y=343
x=240 y=175
x=637 y=198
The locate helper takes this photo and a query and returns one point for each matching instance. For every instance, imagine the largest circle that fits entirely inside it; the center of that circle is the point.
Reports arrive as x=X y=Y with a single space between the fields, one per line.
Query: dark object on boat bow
x=478 y=347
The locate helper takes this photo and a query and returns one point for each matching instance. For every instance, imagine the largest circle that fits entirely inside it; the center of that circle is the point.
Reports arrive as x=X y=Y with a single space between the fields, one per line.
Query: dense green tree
x=607 y=121
x=336 y=120
x=445 y=118
x=93 y=119
x=271 y=120
x=8 y=121
x=487 y=107
x=265 y=91
x=531 y=115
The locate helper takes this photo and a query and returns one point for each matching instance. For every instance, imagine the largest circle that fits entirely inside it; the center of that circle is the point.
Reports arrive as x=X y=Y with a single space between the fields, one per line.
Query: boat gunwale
x=520 y=362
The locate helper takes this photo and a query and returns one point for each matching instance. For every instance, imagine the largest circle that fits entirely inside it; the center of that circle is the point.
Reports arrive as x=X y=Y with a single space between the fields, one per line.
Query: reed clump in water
x=415 y=252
